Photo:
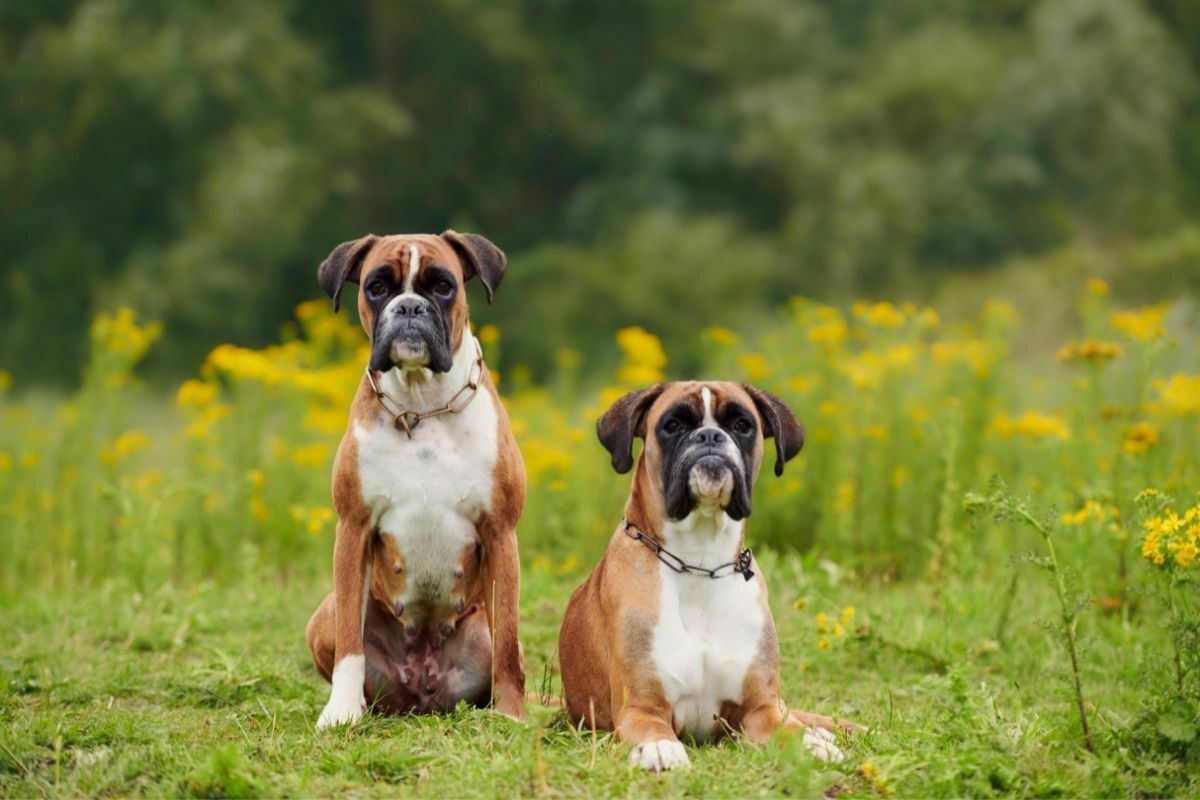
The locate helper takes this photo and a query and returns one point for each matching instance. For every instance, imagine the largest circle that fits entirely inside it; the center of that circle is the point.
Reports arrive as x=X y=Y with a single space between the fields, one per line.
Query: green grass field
x=160 y=558
x=209 y=691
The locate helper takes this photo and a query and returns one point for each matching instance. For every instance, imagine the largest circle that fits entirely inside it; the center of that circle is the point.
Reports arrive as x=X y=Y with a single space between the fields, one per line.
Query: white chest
x=707 y=635
x=428 y=492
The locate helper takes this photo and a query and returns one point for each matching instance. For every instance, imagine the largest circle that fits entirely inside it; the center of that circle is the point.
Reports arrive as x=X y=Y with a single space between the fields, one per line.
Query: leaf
x=1177 y=728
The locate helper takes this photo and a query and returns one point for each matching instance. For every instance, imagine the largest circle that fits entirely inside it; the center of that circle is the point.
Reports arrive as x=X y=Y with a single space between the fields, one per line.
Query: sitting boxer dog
x=671 y=634
x=428 y=484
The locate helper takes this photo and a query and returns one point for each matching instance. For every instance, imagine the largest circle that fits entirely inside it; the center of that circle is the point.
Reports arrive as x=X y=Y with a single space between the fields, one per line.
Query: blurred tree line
x=668 y=163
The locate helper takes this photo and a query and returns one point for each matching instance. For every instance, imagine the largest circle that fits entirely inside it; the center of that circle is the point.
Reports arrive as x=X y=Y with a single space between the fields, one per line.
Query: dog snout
x=410 y=307
x=708 y=437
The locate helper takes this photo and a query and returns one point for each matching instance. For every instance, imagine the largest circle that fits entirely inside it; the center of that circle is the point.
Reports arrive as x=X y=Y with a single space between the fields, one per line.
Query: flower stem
x=1068 y=619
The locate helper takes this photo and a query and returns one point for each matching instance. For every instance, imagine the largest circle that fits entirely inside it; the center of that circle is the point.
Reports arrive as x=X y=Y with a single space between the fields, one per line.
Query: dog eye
x=743 y=426
x=443 y=287
x=376 y=288
x=672 y=426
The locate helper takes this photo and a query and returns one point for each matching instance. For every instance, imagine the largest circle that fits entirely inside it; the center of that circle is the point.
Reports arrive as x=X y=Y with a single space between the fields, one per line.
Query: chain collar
x=406 y=419
x=741 y=566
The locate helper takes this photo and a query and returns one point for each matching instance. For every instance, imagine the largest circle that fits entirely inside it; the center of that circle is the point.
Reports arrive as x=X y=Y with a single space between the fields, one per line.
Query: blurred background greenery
x=662 y=163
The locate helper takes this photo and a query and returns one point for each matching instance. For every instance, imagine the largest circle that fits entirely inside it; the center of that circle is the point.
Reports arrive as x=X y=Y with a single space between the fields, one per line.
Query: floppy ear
x=779 y=423
x=479 y=258
x=625 y=420
x=342 y=265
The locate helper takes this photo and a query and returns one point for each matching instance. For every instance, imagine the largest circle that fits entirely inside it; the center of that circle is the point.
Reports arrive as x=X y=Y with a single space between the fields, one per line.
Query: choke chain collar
x=407 y=419
x=740 y=566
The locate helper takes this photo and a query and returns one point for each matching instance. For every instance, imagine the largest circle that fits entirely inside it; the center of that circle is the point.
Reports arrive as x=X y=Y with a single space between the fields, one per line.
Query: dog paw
x=822 y=744
x=661 y=755
x=340 y=712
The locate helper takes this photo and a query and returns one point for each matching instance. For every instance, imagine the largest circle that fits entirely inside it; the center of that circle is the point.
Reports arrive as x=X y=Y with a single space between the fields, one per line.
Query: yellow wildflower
x=30 y=459
x=202 y=425
x=489 y=334
x=196 y=394
x=119 y=333
x=838 y=630
x=880 y=315
x=847 y=615
x=644 y=357
x=6 y=461
x=823 y=643
x=1032 y=426
x=1141 y=324
x=5 y=381
x=566 y=358
x=829 y=328
x=1140 y=438
x=1097 y=286
x=312 y=455
x=822 y=622
x=876 y=432
x=147 y=480
x=1180 y=394
x=754 y=365
x=721 y=335
x=1091 y=350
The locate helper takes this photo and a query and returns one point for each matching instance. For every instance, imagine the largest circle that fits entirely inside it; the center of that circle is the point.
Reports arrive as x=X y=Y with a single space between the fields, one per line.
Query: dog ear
x=479 y=258
x=623 y=421
x=342 y=265
x=779 y=423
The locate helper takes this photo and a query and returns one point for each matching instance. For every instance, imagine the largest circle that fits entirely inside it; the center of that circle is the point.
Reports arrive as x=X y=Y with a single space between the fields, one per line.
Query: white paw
x=660 y=755
x=339 y=711
x=822 y=744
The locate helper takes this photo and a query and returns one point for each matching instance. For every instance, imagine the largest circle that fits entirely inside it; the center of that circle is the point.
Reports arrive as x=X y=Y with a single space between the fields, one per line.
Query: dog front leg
x=645 y=722
x=501 y=595
x=351 y=579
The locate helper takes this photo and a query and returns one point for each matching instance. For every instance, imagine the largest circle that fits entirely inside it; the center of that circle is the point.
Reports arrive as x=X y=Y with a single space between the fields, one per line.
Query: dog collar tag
x=743 y=564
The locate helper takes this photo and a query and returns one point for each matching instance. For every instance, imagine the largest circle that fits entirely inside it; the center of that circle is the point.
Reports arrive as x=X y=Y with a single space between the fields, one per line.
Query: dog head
x=413 y=302
x=703 y=442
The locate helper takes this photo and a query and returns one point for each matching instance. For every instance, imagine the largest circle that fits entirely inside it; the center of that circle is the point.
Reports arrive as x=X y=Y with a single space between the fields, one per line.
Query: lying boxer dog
x=428 y=484
x=671 y=634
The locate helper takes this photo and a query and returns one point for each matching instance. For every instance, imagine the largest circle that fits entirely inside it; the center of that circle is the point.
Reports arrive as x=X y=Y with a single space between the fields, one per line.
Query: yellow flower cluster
x=1169 y=534
x=1092 y=510
x=1140 y=437
x=1179 y=394
x=120 y=333
x=1032 y=426
x=1141 y=324
x=123 y=445
x=827 y=626
x=1089 y=350
x=315 y=519
x=644 y=357
x=978 y=354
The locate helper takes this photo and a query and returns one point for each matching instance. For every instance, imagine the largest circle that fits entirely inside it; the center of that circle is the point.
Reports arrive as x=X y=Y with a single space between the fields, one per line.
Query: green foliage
x=197 y=160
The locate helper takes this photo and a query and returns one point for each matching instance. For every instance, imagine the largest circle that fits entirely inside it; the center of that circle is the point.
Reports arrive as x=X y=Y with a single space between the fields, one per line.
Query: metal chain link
x=406 y=420
x=741 y=566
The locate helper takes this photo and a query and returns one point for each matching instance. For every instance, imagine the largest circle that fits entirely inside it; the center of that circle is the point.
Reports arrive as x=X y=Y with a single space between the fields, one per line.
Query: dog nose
x=709 y=436
x=410 y=307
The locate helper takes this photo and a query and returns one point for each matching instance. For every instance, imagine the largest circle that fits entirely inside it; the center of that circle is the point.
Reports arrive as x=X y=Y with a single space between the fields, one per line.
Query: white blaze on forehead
x=709 y=420
x=414 y=264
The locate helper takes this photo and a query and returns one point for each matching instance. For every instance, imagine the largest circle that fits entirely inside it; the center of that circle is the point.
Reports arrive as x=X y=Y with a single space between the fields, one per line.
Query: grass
x=209 y=691
x=161 y=555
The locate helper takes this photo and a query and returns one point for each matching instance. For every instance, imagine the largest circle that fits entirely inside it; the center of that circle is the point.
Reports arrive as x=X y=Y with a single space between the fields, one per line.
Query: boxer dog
x=428 y=485
x=671 y=634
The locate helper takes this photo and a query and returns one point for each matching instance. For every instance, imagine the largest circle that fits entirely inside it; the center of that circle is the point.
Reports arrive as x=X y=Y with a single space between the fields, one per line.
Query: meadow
x=988 y=558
